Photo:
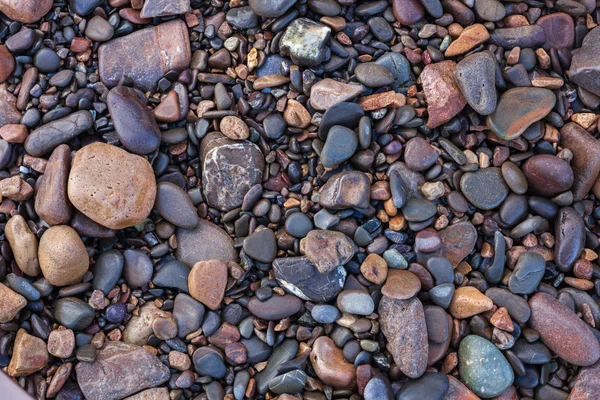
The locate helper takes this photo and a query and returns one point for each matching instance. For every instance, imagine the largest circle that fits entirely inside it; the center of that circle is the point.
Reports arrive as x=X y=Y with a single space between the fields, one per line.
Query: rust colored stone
x=444 y=98
x=207 y=281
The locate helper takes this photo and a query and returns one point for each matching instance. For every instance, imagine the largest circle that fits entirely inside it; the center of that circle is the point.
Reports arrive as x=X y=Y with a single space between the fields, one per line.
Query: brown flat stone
x=63 y=257
x=374 y=269
x=346 y=190
x=403 y=324
x=330 y=366
x=61 y=342
x=234 y=128
x=559 y=30
x=29 y=355
x=296 y=115
x=547 y=175
x=7 y=63
x=468 y=301
x=10 y=304
x=51 y=201
x=145 y=55
x=269 y=81
x=587 y=384
x=328 y=93
x=377 y=101
x=9 y=114
x=471 y=37
x=327 y=250
x=458 y=391
x=457 y=242
x=26 y=11
x=586 y=158
x=444 y=98
x=408 y=12
x=14 y=133
x=15 y=188
x=24 y=245
x=401 y=285
x=168 y=109
x=207 y=281
x=563 y=331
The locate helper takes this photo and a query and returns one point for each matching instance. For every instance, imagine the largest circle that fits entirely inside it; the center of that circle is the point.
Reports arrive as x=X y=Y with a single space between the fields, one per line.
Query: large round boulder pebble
x=111 y=186
x=25 y=11
x=63 y=256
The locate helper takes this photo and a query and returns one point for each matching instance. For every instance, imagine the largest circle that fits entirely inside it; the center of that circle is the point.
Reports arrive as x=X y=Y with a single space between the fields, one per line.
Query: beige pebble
x=11 y=303
x=23 y=244
x=468 y=301
x=63 y=256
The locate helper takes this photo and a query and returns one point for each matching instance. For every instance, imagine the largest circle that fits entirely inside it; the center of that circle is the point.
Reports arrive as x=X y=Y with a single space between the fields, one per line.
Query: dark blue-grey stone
x=325 y=313
x=400 y=67
x=430 y=386
x=528 y=273
x=83 y=7
x=107 y=270
x=284 y=352
x=188 y=313
x=208 y=361
x=73 y=313
x=291 y=382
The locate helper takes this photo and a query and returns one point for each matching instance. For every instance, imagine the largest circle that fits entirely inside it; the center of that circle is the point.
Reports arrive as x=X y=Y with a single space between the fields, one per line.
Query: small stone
x=270 y=8
x=164 y=328
x=62 y=255
x=269 y=81
x=471 y=37
x=330 y=366
x=298 y=225
x=138 y=268
x=14 y=133
x=73 y=313
x=340 y=145
x=207 y=281
x=10 y=303
x=99 y=30
x=419 y=155
x=469 y=301
x=417 y=210
x=7 y=63
x=548 y=175
x=139 y=328
x=107 y=270
x=432 y=385
x=289 y=383
x=47 y=137
x=518 y=108
x=444 y=98
x=328 y=93
x=408 y=12
x=570 y=236
x=373 y=75
x=584 y=69
x=374 y=269
x=587 y=383
x=355 y=301
x=485 y=188
x=403 y=324
x=111 y=186
x=483 y=368
x=175 y=205
x=476 y=77
x=208 y=361
x=346 y=190
x=328 y=249
x=586 y=158
x=205 y=242
x=51 y=202
x=304 y=42
x=398 y=65
x=563 y=331
x=275 y=308
x=234 y=128
x=242 y=17
x=188 y=314
x=162 y=8
x=296 y=115
x=401 y=285
x=23 y=244
x=168 y=110
x=526 y=36
x=120 y=370
x=29 y=355
x=490 y=10
x=134 y=123
x=61 y=343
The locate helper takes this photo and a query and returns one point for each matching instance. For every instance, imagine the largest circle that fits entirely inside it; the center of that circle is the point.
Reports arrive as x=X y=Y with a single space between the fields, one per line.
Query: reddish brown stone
x=61 y=342
x=444 y=98
x=15 y=188
x=407 y=12
x=7 y=63
x=471 y=37
x=168 y=109
x=79 y=44
x=26 y=11
x=457 y=242
x=11 y=303
x=587 y=384
x=563 y=331
x=145 y=55
x=401 y=284
x=559 y=30
x=226 y=334
x=377 y=101
x=327 y=93
x=548 y=175
x=327 y=250
x=458 y=391
x=207 y=281
x=419 y=155
x=29 y=355
x=586 y=158
x=9 y=114
x=330 y=366
x=236 y=353
x=51 y=201
x=14 y=133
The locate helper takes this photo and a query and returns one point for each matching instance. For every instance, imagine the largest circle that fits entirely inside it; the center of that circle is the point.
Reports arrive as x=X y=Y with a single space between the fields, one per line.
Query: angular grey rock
x=304 y=41
x=476 y=77
x=205 y=242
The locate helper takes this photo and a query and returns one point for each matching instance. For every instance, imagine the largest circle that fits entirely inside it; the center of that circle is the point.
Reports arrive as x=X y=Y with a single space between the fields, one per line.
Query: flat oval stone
x=430 y=386
x=401 y=284
x=282 y=353
x=417 y=210
x=373 y=75
x=483 y=368
x=269 y=8
x=188 y=314
x=586 y=158
x=159 y=8
x=340 y=145
x=527 y=36
x=207 y=281
x=111 y=186
x=476 y=77
x=419 y=155
x=47 y=137
x=346 y=189
x=261 y=245
x=73 y=313
x=107 y=270
x=514 y=209
x=99 y=30
x=230 y=169
x=133 y=120
x=298 y=225
x=275 y=308
x=24 y=245
x=208 y=361
x=517 y=307
x=25 y=11
x=300 y=277
x=63 y=257
x=408 y=12
x=205 y=242
x=532 y=353
x=563 y=331
x=344 y=114
x=51 y=201
x=485 y=188
x=173 y=274
x=518 y=108
x=328 y=93
x=403 y=324
x=514 y=178
x=138 y=268
x=527 y=274
x=469 y=301
x=548 y=175
x=570 y=239
x=175 y=205
x=490 y=10
x=587 y=383
x=559 y=30
x=330 y=366
x=355 y=301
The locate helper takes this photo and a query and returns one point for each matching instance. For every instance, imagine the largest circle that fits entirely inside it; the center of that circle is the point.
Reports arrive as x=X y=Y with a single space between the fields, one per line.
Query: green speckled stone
x=483 y=368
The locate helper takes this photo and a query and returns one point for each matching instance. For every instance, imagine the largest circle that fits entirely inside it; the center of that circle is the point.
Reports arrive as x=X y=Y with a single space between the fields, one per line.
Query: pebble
x=242 y=17
x=570 y=238
x=355 y=301
x=134 y=123
x=208 y=361
x=139 y=327
x=46 y=60
x=490 y=10
x=526 y=36
x=374 y=75
x=73 y=313
x=99 y=30
x=547 y=175
x=116 y=312
x=483 y=368
x=444 y=98
x=205 y=242
x=29 y=355
x=587 y=383
x=559 y=30
x=166 y=47
x=24 y=245
x=274 y=126
x=275 y=308
x=188 y=314
x=325 y=314
x=470 y=37
x=583 y=70
x=401 y=285
x=304 y=42
x=563 y=331
x=349 y=189
x=527 y=274
x=230 y=169
x=407 y=12
x=485 y=188
x=62 y=255
x=403 y=324
x=298 y=225
x=340 y=145
x=172 y=274
x=419 y=155
x=400 y=67
x=137 y=269
x=514 y=178
x=10 y=304
x=159 y=8
x=586 y=158
x=107 y=270
x=281 y=354
x=330 y=366
x=289 y=383
x=25 y=11
x=261 y=245
x=96 y=178
x=14 y=133
x=469 y=301
x=532 y=353
x=476 y=77
x=524 y=106
x=374 y=269
x=270 y=9
x=417 y=210
x=432 y=385
x=61 y=343
x=300 y=277
x=132 y=369
x=175 y=205
x=83 y=7
x=207 y=281
x=328 y=249
x=51 y=202
x=7 y=63
x=9 y=114
x=328 y=93
x=47 y=137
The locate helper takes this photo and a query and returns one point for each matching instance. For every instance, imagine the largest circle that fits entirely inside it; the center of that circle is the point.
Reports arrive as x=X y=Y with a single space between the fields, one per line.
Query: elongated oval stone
x=570 y=238
x=483 y=368
x=518 y=108
x=563 y=331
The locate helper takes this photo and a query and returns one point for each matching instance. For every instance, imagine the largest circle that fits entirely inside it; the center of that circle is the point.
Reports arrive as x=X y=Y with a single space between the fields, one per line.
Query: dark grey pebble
x=107 y=270
x=138 y=268
x=340 y=145
x=284 y=352
x=208 y=361
x=344 y=114
x=291 y=382
x=46 y=60
x=300 y=277
x=47 y=137
x=528 y=273
x=188 y=314
x=173 y=274
x=174 y=205
x=242 y=17
x=430 y=386
x=261 y=245
x=417 y=210
x=298 y=225
x=517 y=307
x=73 y=313
x=373 y=75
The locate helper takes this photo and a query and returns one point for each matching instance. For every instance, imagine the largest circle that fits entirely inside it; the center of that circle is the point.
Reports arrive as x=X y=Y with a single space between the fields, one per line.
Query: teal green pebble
x=483 y=368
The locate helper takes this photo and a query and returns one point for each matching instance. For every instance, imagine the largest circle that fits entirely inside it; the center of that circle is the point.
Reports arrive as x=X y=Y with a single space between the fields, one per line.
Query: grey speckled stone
x=301 y=278
x=485 y=188
x=205 y=242
x=304 y=41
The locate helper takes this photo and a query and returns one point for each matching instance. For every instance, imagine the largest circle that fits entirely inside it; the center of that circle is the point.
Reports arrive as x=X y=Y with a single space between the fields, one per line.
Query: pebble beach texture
x=299 y=199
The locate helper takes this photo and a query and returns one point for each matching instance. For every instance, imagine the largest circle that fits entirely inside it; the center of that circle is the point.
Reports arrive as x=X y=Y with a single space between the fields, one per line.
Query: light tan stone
x=468 y=301
x=23 y=244
x=29 y=355
x=11 y=303
x=63 y=257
